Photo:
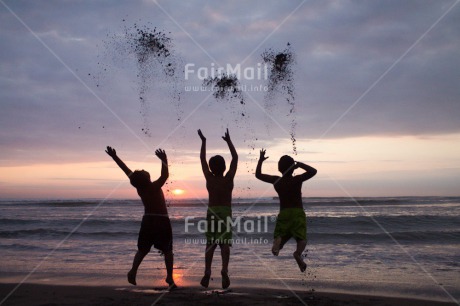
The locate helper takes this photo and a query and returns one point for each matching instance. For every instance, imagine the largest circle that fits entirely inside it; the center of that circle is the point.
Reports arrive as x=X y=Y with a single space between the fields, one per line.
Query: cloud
x=341 y=49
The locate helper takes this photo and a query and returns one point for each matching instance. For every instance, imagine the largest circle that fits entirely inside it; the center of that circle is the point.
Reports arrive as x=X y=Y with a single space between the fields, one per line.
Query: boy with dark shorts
x=219 y=214
x=291 y=221
x=155 y=227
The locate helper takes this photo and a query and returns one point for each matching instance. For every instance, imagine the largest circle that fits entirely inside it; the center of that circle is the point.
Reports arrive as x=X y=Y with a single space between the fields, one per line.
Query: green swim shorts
x=219 y=227
x=291 y=222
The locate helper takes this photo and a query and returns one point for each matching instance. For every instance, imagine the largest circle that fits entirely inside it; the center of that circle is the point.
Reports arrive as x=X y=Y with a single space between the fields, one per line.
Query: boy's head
x=217 y=165
x=139 y=178
x=286 y=165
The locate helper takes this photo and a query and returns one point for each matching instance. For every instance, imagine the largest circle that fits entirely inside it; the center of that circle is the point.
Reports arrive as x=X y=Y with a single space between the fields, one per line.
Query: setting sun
x=178 y=191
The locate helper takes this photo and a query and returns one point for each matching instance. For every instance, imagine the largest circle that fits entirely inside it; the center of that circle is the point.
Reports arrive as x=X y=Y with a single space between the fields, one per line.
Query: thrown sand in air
x=281 y=81
x=155 y=59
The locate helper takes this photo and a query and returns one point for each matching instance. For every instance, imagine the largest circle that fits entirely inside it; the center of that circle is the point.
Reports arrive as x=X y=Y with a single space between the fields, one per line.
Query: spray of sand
x=281 y=83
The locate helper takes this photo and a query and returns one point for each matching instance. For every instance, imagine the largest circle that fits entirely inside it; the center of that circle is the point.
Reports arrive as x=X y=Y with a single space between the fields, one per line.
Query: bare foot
x=169 y=280
x=276 y=246
x=132 y=277
x=171 y=283
x=205 y=280
x=302 y=265
x=225 y=280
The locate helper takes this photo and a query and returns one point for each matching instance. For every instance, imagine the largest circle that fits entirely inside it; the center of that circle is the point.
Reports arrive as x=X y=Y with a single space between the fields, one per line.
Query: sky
x=377 y=89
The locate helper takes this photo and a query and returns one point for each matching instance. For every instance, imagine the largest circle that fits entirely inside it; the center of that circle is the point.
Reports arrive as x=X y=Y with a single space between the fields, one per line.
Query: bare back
x=289 y=190
x=288 y=187
x=153 y=199
x=220 y=190
x=219 y=186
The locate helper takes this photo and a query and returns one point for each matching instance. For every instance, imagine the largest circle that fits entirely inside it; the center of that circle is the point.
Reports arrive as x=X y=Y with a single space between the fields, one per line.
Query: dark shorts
x=155 y=231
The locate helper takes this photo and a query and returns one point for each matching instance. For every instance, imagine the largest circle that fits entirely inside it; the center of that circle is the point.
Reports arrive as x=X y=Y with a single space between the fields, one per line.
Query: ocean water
x=403 y=246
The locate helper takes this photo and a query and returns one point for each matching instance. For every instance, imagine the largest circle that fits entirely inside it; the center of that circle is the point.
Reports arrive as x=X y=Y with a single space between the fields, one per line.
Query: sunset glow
x=178 y=192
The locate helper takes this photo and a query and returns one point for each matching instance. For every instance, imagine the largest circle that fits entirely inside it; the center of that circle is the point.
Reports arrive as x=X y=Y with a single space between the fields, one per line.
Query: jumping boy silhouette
x=291 y=221
x=156 y=226
x=219 y=214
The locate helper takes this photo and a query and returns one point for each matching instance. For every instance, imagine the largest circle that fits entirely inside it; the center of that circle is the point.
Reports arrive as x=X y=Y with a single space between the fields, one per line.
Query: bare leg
x=278 y=244
x=301 y=244
x=136 y=263
x=225 y=252
x=169 y=263
x=283 y=241
x=210 y=248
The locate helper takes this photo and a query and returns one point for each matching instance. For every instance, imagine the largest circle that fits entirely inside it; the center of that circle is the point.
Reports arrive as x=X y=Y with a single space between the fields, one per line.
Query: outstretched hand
x=262 y=156
x=111 y=151
x=226 y=137
x=201 y=135
x=161 y=154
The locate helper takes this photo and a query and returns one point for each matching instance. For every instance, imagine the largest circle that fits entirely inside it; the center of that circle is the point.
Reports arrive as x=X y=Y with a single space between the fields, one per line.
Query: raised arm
x=264 y=177
x=309 y=171
x=204 y=163
x=161 y=154
x=112 y=153
x=234 y=163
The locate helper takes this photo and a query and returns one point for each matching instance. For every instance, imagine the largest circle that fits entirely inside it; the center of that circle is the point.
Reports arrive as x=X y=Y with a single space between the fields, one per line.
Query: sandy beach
x=38 y=294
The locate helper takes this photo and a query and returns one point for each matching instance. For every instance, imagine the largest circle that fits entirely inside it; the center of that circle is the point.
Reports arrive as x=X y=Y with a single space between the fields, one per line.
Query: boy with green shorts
x=219 y=214
x=291 y=221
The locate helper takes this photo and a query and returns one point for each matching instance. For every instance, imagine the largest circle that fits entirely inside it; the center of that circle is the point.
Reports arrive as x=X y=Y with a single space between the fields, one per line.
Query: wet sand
x=39 y=294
